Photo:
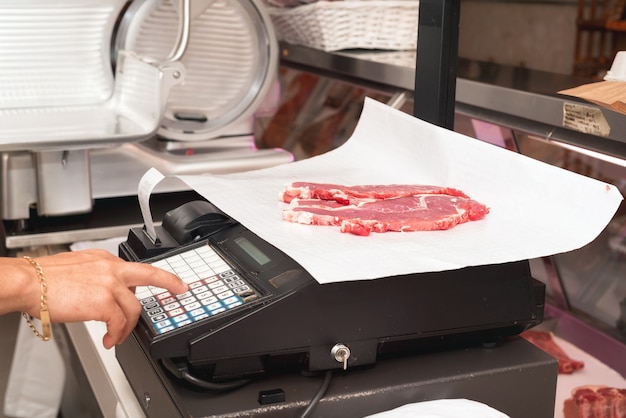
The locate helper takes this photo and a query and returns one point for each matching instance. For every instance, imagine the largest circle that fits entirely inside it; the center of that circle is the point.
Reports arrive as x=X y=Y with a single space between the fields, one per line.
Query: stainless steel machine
x=95 y=93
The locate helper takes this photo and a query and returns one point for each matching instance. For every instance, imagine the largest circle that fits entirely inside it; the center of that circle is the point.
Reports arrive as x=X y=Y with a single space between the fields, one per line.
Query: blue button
x=164 y=330
x=187 y=322
x=234 y=305
x=180 y=318
x=197 y=312
x=163 y=324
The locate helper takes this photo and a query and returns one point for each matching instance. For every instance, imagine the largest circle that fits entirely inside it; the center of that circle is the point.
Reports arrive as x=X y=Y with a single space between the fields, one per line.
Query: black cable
x=319 y=395
x=215 y=386
x=180 y=371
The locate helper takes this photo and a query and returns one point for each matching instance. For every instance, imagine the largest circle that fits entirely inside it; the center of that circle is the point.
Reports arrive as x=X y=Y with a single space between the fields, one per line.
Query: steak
x=545 y=341
x=595 y=402
x=361 y=210
x=343 y=194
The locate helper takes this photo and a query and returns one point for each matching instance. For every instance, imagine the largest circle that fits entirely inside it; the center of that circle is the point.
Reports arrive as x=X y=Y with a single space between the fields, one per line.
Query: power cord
x=318 y=395
x=180 y=371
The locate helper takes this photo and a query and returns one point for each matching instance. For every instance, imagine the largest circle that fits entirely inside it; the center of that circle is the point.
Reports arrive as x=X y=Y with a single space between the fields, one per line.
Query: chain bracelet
x=44 y=315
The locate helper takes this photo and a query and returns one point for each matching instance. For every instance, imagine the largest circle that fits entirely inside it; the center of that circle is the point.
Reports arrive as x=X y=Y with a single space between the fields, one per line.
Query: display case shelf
x=518 y=98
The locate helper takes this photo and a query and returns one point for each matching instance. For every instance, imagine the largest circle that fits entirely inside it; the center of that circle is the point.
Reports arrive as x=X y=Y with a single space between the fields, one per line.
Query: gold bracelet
x=46 y=333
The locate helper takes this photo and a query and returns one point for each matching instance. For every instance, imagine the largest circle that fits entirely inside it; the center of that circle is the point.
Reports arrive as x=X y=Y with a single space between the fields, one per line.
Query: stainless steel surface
x=63 y=182
x=231 y=63
x=184 y=30
x=388 y=71
x=512 y=97
x=18 y=184
x=65 y=237
x=69 y=98
x=230 y=41
x=116 y=171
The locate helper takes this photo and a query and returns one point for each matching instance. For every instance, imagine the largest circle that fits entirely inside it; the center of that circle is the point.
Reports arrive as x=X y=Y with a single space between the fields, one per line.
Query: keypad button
x=211 y=279
x=155 y=311
x=166 y=329
x=180 y=318
x=151 y=305
x=163 y=295
x=225 y=295
x=176 y=312
x=215 y=284
x=159 y=318
x=187 y=301
x=171 y=306
x=169 y=300
x=163 y=324
x=231 y=300
x=214 y=306
x=185 y=322
x=219 y=310
x=192 y=306
x=184 y=295
x=200 y=289
x=214 y=287
x=220 y=289
x=209 y=300
x=197 y=312
x=204 y=295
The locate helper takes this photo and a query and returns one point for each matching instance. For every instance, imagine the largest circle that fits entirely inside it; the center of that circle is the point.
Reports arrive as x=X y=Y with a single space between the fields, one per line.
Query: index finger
x=139 y=274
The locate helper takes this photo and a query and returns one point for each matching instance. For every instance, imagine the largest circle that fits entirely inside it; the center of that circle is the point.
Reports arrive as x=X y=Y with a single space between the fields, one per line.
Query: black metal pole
x=436 y=63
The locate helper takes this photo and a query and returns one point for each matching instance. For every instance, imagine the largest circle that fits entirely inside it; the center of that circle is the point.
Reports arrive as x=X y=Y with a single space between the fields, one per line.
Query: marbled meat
x=595 y=402
x=361 y=210
x=544 y=340
x=342 y=194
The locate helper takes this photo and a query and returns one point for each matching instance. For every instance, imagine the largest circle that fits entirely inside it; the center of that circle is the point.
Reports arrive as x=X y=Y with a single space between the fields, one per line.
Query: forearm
x=19 y=289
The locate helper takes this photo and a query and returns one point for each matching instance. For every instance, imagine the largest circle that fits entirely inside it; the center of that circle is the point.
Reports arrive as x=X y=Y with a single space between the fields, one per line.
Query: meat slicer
x=93 y=94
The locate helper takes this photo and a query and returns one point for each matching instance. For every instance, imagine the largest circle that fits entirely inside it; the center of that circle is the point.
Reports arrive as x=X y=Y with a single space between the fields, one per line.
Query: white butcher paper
x=442 y=408
x=535 y=209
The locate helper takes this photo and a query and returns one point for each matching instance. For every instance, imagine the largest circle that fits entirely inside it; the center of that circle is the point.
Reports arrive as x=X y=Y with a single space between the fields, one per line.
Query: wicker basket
x=335 y=25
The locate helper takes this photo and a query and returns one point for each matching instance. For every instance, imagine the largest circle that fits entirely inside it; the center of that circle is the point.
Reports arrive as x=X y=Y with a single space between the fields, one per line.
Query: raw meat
x=595 y=402
x=365 y=213
x=343 y=194
x=545 y=341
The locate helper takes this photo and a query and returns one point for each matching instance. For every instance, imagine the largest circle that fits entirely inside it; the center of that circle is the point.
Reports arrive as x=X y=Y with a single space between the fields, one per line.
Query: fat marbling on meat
x=363 y=209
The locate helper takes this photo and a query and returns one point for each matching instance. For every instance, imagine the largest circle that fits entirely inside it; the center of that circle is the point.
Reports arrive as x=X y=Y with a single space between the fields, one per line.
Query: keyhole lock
x=341 y=353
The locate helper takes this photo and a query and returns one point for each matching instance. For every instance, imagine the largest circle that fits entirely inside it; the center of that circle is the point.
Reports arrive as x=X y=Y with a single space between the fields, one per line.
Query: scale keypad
x=214 y=287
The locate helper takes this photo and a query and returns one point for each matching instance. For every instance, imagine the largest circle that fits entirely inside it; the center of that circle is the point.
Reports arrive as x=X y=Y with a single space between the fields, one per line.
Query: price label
x=586 y=119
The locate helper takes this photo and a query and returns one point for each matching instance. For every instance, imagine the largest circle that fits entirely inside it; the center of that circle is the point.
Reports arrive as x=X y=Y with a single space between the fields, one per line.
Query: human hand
x=96 y=285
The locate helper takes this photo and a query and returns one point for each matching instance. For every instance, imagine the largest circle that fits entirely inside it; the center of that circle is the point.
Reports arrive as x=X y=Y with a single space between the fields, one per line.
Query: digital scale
x=252 y=316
